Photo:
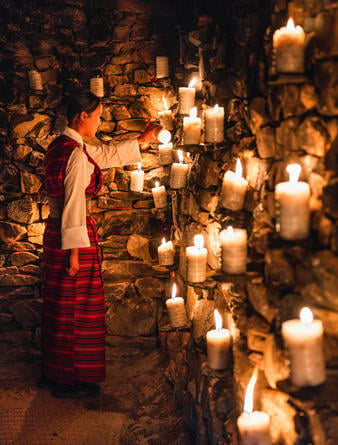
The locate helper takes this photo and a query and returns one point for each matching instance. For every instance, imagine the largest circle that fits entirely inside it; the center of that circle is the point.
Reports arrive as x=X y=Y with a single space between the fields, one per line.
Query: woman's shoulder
x=62 y=141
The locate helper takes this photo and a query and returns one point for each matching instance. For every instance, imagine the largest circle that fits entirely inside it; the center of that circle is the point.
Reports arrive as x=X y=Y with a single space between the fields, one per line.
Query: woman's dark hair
x=81 y=101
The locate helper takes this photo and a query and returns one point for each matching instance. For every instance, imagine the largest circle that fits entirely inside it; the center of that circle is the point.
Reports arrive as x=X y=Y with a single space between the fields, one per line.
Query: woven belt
x=56 y=207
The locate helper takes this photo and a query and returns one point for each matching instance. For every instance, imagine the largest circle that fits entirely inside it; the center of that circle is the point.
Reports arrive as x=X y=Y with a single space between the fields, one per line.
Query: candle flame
x=294 y=172
x=193 y=112
x=216 y=108
x=248 y=400
x=192 y=82
x=239 y=168
x=199 y=241
x=290 y=26
x=180 y=156
x=173 y=291
x=157 y=184
x=218 y=320
x=165 y=103
x=164 y=136
x=230 y=230
x=163 y=240
x=306 y=315
x=139 y=167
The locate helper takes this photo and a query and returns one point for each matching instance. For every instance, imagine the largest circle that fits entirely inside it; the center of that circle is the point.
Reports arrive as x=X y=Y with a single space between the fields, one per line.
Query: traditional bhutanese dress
x=73 y=325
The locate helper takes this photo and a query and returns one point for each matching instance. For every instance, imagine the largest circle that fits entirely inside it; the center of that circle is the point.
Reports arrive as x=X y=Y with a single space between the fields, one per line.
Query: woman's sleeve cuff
x=74 y=237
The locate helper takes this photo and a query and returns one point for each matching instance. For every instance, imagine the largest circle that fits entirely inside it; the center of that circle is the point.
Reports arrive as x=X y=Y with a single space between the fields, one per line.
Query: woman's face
x=91 y=122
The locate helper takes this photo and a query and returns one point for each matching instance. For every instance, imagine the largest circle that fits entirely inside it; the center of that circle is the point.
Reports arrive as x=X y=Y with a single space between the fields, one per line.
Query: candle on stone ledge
x=162 y=67
x=192 y=128
x=179 y=172
x=165 y=152
x=196 y=257
x=166 y=116
x=304 y=341
x=166 y=253
x=289 y=45
x=234 y=250
x=294 y=210
x=214 y=124
x=254 y=426
x=137 y=179
x=187 y=97
x=218 y=344
x=96 y=86
x=234 y=188
x=176 y=310
x=159 y=195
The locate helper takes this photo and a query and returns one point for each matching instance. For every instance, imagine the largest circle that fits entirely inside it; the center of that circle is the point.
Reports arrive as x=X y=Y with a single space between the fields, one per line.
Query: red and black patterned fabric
x=73 y=325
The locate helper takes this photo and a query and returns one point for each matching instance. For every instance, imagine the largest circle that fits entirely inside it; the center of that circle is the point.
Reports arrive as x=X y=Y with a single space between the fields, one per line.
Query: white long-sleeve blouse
x=77 y=178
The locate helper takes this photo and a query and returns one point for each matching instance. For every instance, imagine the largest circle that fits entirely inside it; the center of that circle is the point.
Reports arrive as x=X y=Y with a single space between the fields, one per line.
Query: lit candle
x=304 y=341
x=197 y=260
x=176 y=310
x=166 y=253
x=159 y=195
x=96 y=86
x=294 y=210
x=214 y=124
x=289 y=44
x=164 y=136
x=234 y=250
x=137 y=179
x=162 y=66
x=166 y=116
x=165 y=152
x=234 y=188
x=218 y=344
x=187 y=97
x=192 y=128
x=179 y=171
x=254 y=426
x=35 y=82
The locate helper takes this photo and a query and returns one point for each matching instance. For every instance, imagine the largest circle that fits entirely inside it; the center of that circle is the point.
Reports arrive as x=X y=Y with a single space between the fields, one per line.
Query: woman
x=73 y=327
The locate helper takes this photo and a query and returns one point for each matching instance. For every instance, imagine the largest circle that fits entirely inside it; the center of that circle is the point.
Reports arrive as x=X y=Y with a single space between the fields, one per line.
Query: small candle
x=304 y=341
x=137 y=179
x=196 y=261
x=35 y=82
x=254 y=426
x=214 y=124
x=234 y=250
x=159 y=195
x=179 y=171
x=187 y=97
x=165 y=152
x=166 y=253
x=289 y=44
x=294 y=210
x=166 y=116
x=218 y=344
x=234 y=188
x=96 y=86
x=162 y=67
x=176 y=310
x=192 y=128
x=164 y=136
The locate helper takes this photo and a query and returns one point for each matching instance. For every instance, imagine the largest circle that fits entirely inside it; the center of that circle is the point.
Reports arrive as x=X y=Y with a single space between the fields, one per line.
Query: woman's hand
x=150 y=133
x=74 y=265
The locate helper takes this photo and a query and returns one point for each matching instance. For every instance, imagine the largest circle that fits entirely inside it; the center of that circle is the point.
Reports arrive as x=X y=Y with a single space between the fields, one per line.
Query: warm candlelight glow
x=164 y=136
x=163 y=240
x=239 y=168
x=248 y=400
x=180 y=156
x=290 y=26
x=230 y=230
x=139 y=167
x=294 y=172
x=157 y=184
x=173 y=292
x=199 y=241
x=306 y=315
x=218 y=320
x=216 y=108
x=192 y=82
x=165 y=103
x=193 y=112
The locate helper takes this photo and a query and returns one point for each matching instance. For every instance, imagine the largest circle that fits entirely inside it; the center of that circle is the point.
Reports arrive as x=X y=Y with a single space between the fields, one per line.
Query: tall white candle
x=137 y=179
x=187 y=97
x=176 y=310
x=294 y=210
x=162 y=66
x=254 y=426
x=166 y=253
x=218 y=344
x=159 y=195
x=96 y=86
x=214 y=124
x=234 y=188
x=197 y=260
x=165 y=152
x=35 y=82
x=192 y=128
x=234 y=250
x=166 y=116
x=289 y=45
x=304 y=341
x=179 y=171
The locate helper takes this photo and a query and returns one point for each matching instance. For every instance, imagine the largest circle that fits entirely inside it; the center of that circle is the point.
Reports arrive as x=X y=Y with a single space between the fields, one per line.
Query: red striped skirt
x=73 y=324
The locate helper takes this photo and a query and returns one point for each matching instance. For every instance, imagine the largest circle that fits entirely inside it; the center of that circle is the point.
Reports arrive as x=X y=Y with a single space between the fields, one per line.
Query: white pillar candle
x=166 y=253
x=165 y=152
x=176 y=310
x=192 y=128
x=179 y=172
x=197 y=261
x=294 y=210
x=187 y=97
x=162 y=67
x=35 y=82
x=254 y=426
x=96 y=86
x=218 y=344
x=137 y=179
x=214 y=124
x=166 y=116
x=234 y=250
x=304 y=341
x=234 y=188
x=159 y=195
x=289 y=44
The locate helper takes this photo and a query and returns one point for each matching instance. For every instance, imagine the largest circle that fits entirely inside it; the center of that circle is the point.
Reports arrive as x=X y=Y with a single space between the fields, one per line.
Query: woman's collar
x=73 y=134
